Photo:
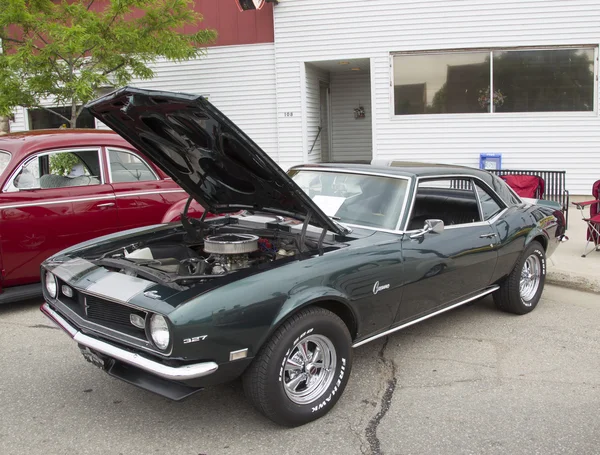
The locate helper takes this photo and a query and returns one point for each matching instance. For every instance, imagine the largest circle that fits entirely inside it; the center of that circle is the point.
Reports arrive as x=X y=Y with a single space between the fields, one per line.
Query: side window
x=126 y=167
x=58 y=170
x=451 y=200
x=489 y=207
x=4 y=160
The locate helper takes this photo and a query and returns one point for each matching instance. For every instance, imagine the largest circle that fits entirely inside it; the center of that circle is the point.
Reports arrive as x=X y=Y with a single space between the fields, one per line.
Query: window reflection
x=544 y=80
x=440 y=83
x=357 y=199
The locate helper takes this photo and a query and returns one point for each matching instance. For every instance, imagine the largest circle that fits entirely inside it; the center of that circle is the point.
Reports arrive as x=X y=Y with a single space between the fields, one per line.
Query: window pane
x=42 y=119
x=67 y=169
x=544 y=80
x=4 y=160
x=364 y=200
x=449 y=200
x=28 y=177
x=59 y=170
x=489 y=206
x=126 y=167
x=441 y=83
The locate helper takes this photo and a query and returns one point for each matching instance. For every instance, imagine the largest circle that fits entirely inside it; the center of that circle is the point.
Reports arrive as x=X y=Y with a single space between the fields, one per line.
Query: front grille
x=112 y=314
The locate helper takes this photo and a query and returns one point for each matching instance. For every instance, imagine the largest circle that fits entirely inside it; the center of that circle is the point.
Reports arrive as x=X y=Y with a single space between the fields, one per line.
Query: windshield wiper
x=343 y=227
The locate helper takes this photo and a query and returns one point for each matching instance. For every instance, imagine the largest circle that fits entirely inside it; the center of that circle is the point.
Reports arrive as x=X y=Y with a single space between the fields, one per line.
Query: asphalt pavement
x=470 y=381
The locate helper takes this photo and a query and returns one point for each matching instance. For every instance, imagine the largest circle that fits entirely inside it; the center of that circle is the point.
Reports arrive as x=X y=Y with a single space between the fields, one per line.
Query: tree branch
x=37 y=106
x=80 y=110
x=120 y=65
x=90 y=5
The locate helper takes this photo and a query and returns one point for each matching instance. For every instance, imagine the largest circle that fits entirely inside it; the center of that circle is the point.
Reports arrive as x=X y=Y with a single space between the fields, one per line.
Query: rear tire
x=522 y=289
x=300 y=373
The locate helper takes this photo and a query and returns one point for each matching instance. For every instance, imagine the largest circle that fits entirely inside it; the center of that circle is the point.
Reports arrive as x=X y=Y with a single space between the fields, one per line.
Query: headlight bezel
x=149 y=332
x=49 y=278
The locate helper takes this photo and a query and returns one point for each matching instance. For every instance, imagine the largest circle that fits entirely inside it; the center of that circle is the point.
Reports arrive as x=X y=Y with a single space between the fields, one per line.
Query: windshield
x=4 y=160
x=363 y=200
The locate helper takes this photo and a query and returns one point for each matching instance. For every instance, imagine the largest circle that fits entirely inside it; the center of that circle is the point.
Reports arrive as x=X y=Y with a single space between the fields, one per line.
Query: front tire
x=300 y=373
x=522 y=290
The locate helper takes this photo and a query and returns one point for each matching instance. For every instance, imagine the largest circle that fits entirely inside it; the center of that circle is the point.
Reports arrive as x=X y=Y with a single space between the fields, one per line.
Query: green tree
x=67 y=50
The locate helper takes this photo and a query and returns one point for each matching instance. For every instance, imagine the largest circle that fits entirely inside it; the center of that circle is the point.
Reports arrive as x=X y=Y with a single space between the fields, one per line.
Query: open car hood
x=205 y=153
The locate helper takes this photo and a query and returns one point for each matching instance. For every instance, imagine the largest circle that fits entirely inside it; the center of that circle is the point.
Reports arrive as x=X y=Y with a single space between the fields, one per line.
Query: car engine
x=230 y=252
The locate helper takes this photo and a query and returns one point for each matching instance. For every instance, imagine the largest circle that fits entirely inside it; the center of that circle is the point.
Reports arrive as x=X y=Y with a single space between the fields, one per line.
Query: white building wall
x=351 y=137
x=20 y=122
x=238 y=80
x=312 y=30
x=314 y=77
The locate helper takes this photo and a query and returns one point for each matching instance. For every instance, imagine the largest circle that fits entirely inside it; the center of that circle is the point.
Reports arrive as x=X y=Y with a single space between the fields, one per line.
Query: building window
x=42 y=119
x=542 y=80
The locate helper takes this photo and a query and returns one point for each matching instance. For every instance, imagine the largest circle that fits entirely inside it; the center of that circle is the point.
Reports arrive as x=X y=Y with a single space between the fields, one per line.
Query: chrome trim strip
x=182 y=373
x=349 y=171
x=56 y=201
x=427 y=316
x=141 y=193
x=27 y=160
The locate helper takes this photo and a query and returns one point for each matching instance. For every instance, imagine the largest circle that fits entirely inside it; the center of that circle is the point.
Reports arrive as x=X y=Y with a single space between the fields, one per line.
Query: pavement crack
x=386 y=401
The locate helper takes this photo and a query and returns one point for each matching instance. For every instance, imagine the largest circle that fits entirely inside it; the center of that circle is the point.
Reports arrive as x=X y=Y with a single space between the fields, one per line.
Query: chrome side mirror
x=433 y=226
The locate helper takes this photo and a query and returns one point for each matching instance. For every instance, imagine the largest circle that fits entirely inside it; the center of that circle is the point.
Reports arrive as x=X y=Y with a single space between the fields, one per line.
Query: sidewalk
x=566 y=267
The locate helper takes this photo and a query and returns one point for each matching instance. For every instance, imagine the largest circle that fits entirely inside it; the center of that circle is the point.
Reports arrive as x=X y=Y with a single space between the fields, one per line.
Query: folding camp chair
x=524 y=185
x=593 y=221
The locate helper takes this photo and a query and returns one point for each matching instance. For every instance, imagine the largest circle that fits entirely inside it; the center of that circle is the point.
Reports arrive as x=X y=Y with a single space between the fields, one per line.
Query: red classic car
x=62 y=187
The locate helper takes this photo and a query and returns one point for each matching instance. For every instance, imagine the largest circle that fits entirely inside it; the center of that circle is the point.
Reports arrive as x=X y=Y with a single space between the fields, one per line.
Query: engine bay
x=219 y=254
x=187 y=256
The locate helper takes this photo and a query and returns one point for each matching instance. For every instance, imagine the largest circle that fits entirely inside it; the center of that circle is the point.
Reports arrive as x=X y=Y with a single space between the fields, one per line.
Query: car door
x=143 y=196
x=51 y=201
x=440 y=269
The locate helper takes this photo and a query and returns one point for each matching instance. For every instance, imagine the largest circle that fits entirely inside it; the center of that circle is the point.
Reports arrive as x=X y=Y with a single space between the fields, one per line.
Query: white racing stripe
x=75 y=267
x=117 y=286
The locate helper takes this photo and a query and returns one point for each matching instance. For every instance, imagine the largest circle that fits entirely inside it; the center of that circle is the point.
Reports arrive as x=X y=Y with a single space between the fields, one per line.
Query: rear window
x=4 y=160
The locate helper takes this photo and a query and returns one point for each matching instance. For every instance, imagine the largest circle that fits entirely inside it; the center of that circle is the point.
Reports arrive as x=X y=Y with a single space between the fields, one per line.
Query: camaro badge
x=152 y=295
x=377 y=287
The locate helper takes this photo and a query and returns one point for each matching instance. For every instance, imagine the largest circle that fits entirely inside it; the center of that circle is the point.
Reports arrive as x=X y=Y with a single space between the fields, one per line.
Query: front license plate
x=93 y=358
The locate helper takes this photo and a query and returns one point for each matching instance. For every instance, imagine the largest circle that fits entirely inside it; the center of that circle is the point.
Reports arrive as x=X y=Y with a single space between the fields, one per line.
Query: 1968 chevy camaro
x=301 y=268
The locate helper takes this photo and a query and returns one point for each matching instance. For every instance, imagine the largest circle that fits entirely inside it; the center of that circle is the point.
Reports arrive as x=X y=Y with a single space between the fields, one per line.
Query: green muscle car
x=297 y=269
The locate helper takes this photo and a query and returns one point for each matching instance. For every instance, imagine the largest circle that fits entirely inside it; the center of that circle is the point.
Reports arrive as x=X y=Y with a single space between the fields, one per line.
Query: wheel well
x=343 y=312
x=542 y=240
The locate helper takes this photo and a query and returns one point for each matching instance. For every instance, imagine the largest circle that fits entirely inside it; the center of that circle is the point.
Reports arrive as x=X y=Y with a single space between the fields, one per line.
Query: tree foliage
x=66 y=50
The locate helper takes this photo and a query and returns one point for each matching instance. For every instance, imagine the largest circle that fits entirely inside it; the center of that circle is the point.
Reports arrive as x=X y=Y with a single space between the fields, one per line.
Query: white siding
x=20 y=122
x=351 y=137
x=314 y=77
x=313 y=30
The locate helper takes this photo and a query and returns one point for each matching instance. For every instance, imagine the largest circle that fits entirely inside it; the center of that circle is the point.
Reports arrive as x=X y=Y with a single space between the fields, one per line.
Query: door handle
x=487 y=236
x=106 y=204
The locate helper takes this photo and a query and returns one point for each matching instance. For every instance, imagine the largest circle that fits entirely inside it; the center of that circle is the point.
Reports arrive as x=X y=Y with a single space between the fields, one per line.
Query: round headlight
x=159 y=331
x=51 y=284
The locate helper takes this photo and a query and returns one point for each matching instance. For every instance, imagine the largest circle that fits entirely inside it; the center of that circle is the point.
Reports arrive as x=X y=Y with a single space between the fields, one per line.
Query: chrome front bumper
x=182 y=373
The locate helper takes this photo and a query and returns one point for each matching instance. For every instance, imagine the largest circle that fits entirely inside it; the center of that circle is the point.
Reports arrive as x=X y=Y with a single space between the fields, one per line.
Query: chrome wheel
x=530 y=277
x=309 y=368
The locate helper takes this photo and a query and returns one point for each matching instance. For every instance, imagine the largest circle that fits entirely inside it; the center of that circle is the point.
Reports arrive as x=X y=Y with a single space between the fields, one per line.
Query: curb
x=573 y=281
